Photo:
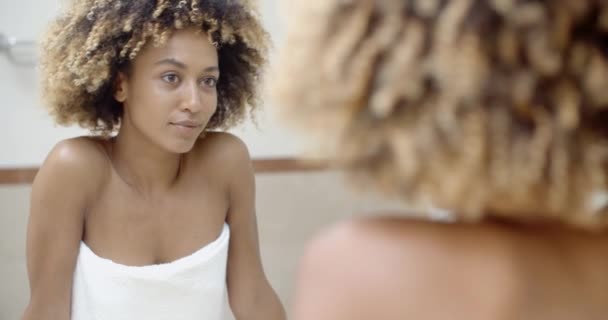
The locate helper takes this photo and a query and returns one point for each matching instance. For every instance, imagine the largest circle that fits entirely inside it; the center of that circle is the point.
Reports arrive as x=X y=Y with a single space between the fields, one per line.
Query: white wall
x=27 y=133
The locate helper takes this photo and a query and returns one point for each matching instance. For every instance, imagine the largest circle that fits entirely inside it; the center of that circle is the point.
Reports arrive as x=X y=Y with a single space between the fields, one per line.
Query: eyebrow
x=182 y=65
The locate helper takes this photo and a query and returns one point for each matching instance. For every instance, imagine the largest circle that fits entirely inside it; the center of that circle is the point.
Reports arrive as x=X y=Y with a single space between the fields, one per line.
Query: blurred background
x=294 y=200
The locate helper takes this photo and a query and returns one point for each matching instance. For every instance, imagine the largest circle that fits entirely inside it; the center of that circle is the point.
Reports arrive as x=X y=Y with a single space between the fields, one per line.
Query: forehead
x=190 y=46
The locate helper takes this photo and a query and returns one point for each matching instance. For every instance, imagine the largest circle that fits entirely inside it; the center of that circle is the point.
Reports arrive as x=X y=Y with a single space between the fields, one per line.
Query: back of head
x=480 y=106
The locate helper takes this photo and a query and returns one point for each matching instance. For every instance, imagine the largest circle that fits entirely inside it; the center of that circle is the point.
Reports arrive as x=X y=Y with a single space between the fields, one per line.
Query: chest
x=131 y=229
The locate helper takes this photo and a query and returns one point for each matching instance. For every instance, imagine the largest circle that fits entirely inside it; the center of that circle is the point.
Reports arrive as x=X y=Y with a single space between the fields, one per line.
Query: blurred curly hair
x=93 y=40
x=484 y=107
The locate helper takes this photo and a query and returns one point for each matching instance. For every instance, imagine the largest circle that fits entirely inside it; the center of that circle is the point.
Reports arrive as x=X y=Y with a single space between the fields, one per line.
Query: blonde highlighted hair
x=88 y=44
x=484 y=107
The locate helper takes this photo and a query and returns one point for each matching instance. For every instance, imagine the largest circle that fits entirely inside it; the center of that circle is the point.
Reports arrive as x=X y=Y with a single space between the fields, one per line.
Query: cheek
x=151 y=108
x=152 y=98
x=212 y=104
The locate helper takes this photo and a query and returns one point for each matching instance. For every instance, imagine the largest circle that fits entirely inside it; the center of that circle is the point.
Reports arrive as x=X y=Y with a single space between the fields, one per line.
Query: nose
x=192 y=100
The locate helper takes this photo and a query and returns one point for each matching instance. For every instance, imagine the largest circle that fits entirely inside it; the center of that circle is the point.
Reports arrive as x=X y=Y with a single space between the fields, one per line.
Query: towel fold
x=192 y=287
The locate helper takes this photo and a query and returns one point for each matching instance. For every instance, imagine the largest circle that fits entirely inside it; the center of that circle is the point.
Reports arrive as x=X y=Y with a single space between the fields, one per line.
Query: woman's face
x=170 y=93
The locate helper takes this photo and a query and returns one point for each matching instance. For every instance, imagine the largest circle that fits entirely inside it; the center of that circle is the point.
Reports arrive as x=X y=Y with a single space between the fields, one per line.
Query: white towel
x=193 y=287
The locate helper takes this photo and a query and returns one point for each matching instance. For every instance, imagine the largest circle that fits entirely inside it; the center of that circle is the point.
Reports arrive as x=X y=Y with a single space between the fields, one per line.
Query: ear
x=120 y=87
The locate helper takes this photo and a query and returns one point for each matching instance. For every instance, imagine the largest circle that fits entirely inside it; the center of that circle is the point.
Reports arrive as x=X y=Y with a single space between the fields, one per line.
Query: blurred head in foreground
x=483 y=107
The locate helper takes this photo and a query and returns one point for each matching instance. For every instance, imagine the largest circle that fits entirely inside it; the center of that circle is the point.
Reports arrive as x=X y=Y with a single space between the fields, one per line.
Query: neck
x=144 y=166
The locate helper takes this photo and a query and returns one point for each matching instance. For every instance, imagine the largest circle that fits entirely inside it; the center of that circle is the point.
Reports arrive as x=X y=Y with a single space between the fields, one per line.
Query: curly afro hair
x=484 y=107
x=93 y=40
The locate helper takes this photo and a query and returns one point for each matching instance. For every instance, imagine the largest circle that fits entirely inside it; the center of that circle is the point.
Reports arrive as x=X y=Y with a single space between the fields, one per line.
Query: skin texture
x=392 y=268
x=154 y=193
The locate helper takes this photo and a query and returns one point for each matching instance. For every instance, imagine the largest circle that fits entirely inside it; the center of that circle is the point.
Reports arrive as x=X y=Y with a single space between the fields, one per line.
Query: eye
x=170 y=78
x=210 y=82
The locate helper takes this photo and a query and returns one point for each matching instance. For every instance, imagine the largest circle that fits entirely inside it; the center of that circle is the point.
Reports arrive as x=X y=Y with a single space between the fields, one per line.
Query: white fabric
x=193 y=287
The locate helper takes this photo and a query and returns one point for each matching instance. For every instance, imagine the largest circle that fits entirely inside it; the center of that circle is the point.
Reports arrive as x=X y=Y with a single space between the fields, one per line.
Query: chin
x=181 y=146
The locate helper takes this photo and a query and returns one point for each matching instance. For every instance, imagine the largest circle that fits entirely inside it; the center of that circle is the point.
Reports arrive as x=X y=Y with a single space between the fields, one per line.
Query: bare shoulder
x=406 y=267
x=63 y=189
x=79 y=162
x=225 y=143
x=225 y=152
x=498 y=266
x=82 y=154
x=448 y=239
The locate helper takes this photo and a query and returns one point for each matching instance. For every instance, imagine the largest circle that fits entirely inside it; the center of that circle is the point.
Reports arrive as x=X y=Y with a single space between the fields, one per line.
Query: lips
x=187 y=123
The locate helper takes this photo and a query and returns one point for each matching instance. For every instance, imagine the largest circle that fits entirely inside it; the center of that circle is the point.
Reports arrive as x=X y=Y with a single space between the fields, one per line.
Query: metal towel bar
x=19 y=52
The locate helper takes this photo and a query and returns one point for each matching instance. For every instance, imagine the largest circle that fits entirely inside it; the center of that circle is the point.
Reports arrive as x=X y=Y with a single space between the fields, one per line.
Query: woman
x=154 y=215
x=493 y=110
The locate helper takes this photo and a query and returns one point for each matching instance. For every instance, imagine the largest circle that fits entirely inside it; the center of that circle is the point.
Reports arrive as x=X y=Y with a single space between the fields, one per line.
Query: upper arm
x=60 y=193
x=245 y=274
